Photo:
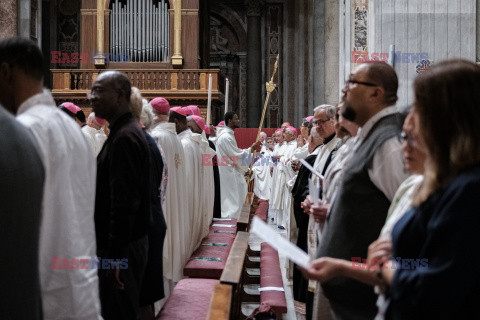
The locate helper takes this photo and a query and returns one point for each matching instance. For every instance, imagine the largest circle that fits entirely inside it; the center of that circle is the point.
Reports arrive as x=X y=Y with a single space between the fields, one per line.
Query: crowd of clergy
x=99 y=214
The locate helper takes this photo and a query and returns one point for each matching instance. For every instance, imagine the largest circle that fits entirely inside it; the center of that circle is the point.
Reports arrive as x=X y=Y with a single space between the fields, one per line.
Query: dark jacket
x=21 y=193
x=439 y=244
x=122 y=204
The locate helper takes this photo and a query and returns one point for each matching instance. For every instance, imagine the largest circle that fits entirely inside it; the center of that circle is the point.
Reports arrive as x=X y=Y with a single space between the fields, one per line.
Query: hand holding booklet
x=282 y=245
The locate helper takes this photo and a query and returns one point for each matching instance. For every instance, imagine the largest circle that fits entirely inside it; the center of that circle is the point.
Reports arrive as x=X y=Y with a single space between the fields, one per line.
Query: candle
x=226 y=94
x=209 y=103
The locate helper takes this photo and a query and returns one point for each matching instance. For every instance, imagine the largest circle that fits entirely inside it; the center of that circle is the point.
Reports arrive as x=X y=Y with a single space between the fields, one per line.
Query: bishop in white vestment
x=176 y=250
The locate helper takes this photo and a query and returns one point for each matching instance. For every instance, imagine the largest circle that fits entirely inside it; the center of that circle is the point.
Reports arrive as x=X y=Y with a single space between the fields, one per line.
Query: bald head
x=119 y=81
x=110 y=95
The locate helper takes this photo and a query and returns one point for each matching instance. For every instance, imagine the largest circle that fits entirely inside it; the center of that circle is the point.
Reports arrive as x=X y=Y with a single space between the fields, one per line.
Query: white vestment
x=96 y=138
x=301 y=153
x=233 y=164
x=287 y=173
x=176 y=250
x=67 y=231
x=194 y=175
x=261 y=174
x=320 y=161
x=276 y=195
x=207 y=189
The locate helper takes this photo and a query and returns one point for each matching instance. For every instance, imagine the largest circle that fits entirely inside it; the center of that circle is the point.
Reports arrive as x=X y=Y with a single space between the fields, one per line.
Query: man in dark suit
x=122 y=206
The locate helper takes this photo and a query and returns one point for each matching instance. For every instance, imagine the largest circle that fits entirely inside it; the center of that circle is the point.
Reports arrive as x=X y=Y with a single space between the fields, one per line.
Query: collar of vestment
x=367 y=127
x=292 y=142
x=45 y=99
x=120 y=121
x=184 y=133
x=225 y=130
x=328 y=139
x=168 y=126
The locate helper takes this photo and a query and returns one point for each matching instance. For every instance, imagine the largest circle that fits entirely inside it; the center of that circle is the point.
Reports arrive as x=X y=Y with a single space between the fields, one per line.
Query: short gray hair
x=331 y=110
x=146 y=116
x=263 y=134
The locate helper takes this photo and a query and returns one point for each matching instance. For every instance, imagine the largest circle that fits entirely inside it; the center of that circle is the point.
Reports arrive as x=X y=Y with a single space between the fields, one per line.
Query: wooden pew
x=220 y=306
x=234 y=271
x=244 y=219
x=199 y=298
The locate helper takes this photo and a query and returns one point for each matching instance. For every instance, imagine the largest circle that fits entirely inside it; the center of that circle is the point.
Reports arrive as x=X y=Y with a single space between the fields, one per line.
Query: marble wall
x=8 y=18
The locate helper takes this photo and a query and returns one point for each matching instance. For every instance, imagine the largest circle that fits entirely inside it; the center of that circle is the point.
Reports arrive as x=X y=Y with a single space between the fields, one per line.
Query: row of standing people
x=85 y=238
x=395 y=236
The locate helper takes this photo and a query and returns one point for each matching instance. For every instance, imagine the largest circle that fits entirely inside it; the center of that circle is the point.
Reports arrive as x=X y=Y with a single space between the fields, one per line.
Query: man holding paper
x=369 y=183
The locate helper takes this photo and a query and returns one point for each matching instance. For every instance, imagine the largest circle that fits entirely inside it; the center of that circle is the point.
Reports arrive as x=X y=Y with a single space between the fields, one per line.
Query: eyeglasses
x=350 y=82
x=411 y=142
x=319 y=123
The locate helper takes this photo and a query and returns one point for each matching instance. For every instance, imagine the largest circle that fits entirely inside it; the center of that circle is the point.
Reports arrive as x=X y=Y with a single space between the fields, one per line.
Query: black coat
x=152 y=286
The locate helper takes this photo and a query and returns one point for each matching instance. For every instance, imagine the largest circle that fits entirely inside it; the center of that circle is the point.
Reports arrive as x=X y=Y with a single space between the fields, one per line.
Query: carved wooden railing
x=152 y=82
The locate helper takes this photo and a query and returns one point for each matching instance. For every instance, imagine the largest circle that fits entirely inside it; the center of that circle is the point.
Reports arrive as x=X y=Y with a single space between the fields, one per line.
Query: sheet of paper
x=314 y=190
x=309 y=167
x=282 y=245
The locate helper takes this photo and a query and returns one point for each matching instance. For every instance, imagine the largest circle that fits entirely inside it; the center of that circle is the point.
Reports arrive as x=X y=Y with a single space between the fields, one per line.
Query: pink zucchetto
x=293 y=129
x=199 y=121
x=221 y=124
x=195 y=110
x=160 y=104
x=279 y=129
x=71 y=107
x=206 y=129
x=179 y=110
x=309 y=118
x=188 y=111
x=100 y=121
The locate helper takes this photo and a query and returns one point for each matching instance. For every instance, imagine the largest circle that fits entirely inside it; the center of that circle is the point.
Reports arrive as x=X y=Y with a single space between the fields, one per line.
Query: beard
x=348 y=113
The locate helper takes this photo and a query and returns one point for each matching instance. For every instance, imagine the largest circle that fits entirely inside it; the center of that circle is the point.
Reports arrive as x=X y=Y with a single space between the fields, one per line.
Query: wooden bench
x=209 y=259
x=199 y=298
x=244 y=219
x=220 y=306
x=234 y=271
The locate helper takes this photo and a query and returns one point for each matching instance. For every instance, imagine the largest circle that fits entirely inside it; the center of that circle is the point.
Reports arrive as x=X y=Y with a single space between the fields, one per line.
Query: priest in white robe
x=261 y=170
x=67 y=229
x=207 y=191
x=233 y=164
x=276 y=195
x=285 y=174
x=302 y=140
x=176 y=250
x=94 y=133
x=193 y=174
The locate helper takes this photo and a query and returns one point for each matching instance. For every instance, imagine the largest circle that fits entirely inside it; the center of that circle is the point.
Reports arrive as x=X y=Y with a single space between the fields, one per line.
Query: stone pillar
x=254 y=62
x=8 y=19
x=319 y=53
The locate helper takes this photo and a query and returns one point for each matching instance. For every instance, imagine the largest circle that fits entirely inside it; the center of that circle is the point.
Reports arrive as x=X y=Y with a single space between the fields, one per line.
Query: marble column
x=8 y=19
x=254 y=62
